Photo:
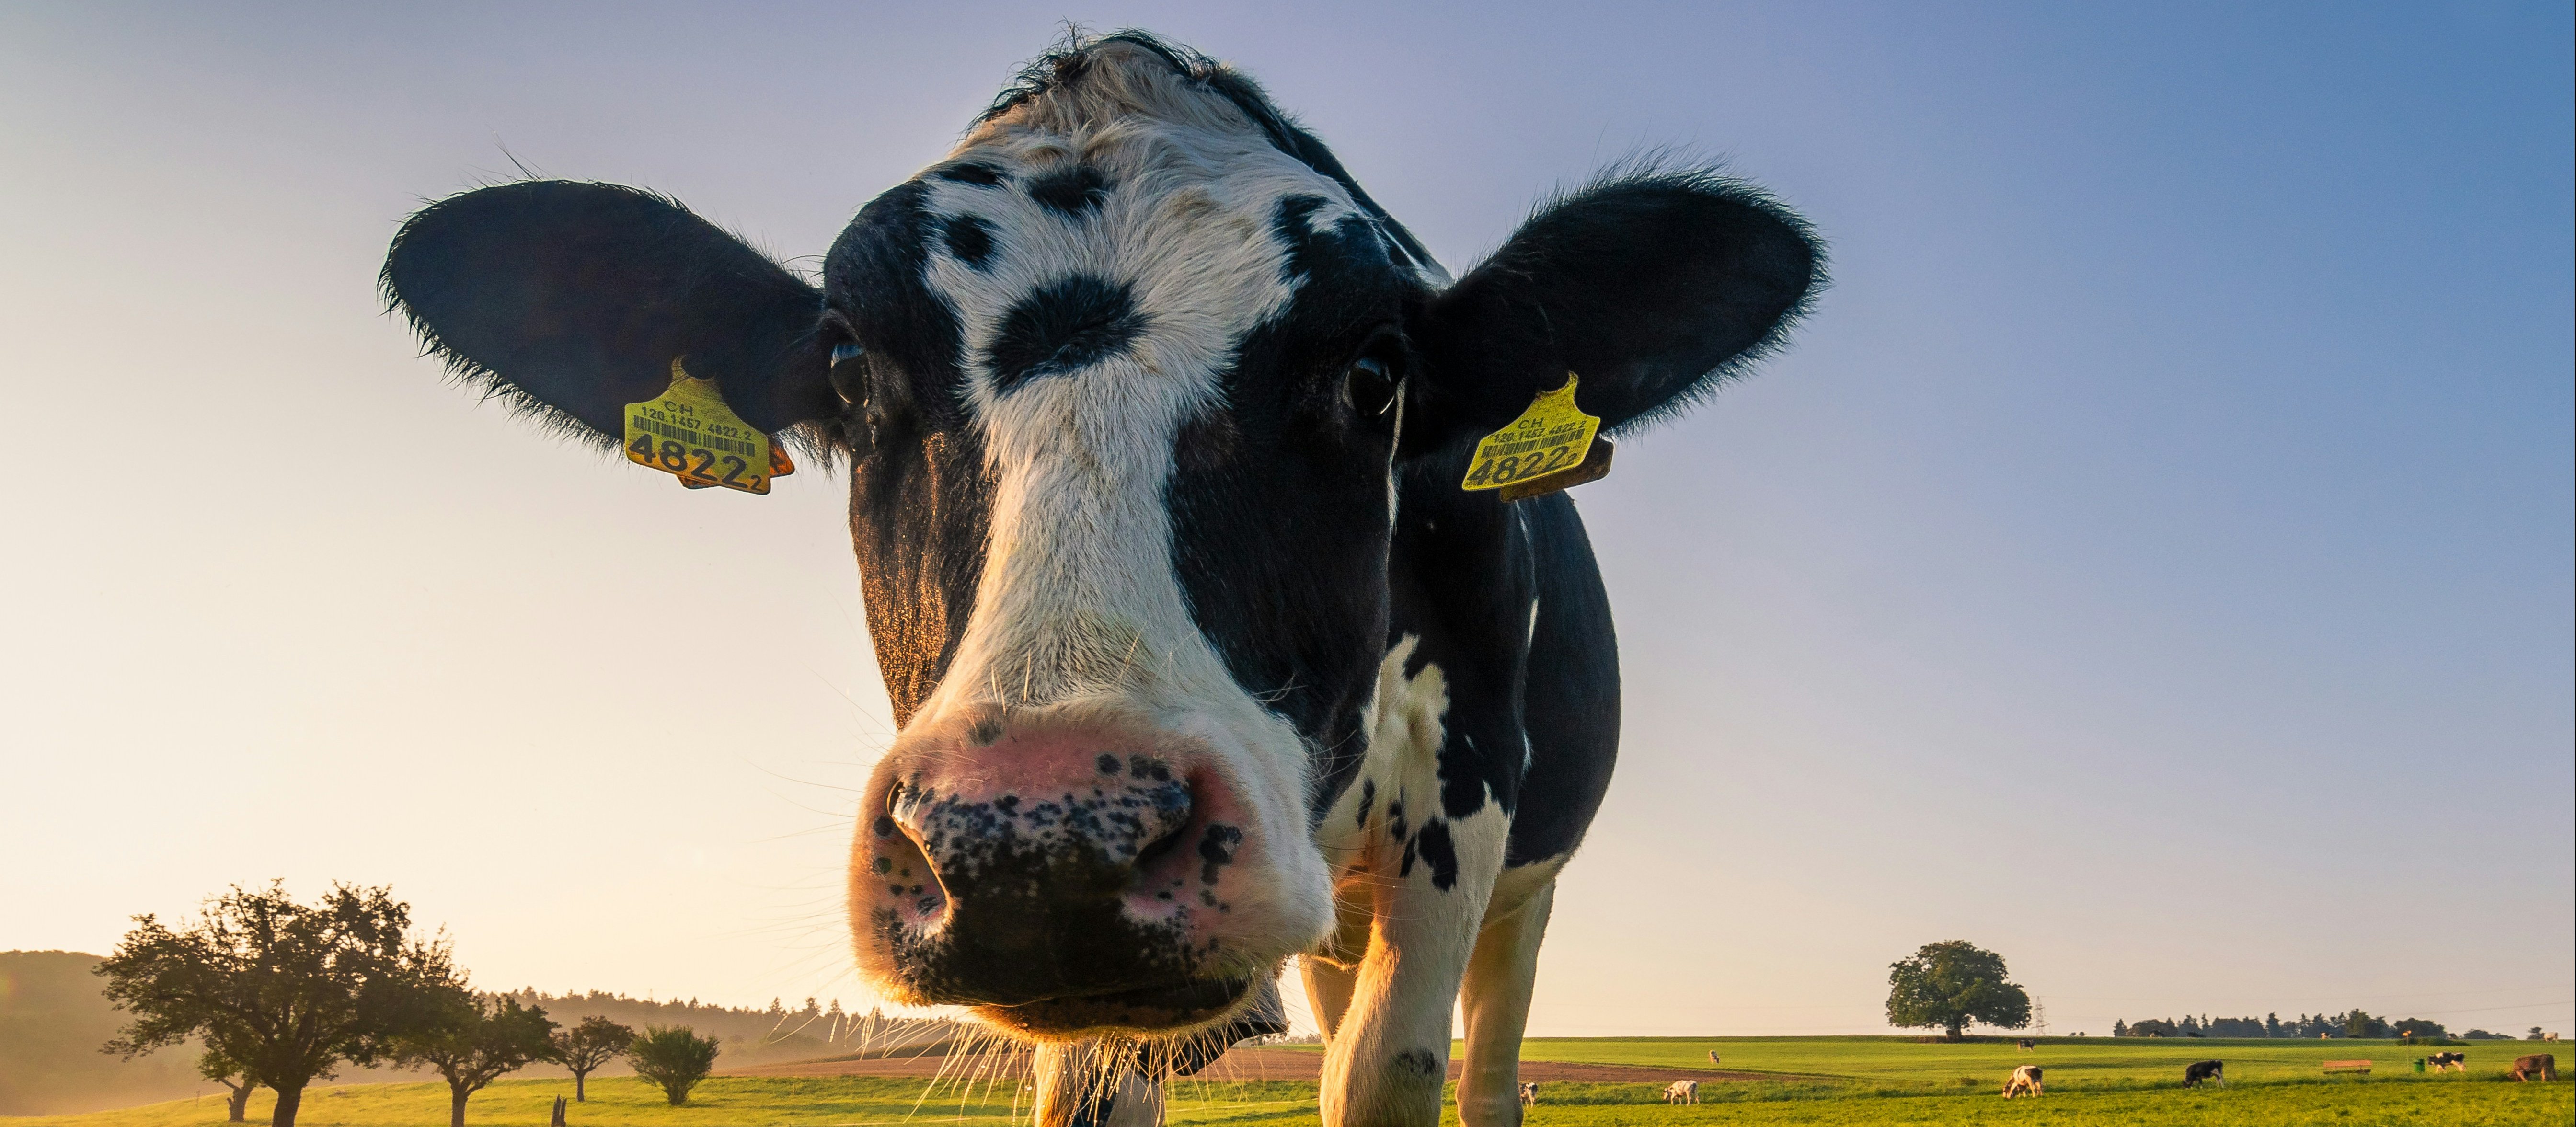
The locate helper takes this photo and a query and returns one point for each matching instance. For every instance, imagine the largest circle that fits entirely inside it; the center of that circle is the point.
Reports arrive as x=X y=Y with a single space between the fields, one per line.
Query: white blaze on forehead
x=1078 y=596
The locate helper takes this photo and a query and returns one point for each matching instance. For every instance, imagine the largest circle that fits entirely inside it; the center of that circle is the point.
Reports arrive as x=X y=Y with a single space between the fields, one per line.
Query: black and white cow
x=2026 y=1080
x=1156 y=425
x=2450 y=1060
x=2202 y=1072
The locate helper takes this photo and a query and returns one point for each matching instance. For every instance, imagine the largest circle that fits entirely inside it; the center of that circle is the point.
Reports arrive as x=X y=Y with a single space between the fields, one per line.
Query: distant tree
x=2420 y=1028
x=289 y=992
x=2358 y=1023
x=2272 y=1025
x=1947 y=985
x=674 y=1058
x=475 y=1041
x=585 y=1047
x=2119 y=1028
x=2154 y=1027
x=2483 y=1035
x=2535 y=1034
x=232 y=1074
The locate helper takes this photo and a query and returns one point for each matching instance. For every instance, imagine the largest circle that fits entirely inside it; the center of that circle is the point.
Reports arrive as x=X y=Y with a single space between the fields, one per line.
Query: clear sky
x=2152 y=561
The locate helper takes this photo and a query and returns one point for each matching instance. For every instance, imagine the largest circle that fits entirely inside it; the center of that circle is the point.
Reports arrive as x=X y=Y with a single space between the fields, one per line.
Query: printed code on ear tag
x=1552 y=437
x=689 y=433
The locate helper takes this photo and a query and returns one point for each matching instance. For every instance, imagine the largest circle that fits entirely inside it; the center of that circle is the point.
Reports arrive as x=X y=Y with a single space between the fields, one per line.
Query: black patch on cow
x=1289 y=224
x=1368 y=797
x=969 y=172
x=969 y=239
x=1073 y=190
x=1064 y=326
x=1216 y=850
x=1418 y=1063
x=1438 y=852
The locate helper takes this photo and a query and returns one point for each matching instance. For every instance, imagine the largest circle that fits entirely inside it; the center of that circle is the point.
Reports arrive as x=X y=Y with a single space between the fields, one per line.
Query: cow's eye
x=1369 y=388
x=849 y=375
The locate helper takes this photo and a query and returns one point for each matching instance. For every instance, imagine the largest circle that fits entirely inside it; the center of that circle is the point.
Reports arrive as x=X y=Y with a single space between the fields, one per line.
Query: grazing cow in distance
x=1712 y=1056
x=1682 y=1092
x=1206 y=643
x=2542 y=1065
x=2202 y=1072
x=2024 y=1081
x=1529 y=1093
x=2443 y=1060
x=2026 y=1045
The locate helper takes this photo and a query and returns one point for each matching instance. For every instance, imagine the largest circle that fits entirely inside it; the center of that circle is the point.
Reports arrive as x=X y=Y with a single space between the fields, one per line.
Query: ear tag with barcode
x=689 y=433
x=1552 y=446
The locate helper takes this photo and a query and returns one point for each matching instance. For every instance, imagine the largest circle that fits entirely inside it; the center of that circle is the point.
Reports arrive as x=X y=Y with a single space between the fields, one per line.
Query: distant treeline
x=2351 y=1023
x=53 y=1019
x=750 y=1036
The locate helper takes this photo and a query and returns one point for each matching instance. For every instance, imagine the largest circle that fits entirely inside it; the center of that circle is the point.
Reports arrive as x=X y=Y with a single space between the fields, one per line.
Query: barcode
x=1510 y=448
x=693 y=438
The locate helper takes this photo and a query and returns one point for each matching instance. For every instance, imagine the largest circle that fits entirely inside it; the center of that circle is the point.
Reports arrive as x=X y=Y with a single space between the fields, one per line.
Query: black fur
x=1073 y=191
x=1067 y=325
x=970 y=240
x=1654 y=284
x=570 y=300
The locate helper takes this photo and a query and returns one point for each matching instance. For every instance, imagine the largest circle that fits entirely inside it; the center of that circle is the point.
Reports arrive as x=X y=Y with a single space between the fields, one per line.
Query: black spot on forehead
x=1071 y=190
x=1061 y=327
x=969 y=172
x=970 y=239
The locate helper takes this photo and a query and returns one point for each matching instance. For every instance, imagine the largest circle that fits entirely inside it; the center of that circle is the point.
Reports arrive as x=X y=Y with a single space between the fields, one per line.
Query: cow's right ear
x=571 y=300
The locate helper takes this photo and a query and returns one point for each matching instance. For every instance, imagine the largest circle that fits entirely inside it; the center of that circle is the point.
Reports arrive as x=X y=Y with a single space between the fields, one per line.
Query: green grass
x=2070 y=1062
x=1826 y=1081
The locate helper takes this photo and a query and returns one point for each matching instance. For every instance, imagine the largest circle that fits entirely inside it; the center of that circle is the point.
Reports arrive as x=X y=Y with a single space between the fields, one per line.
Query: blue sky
x=2152 y=561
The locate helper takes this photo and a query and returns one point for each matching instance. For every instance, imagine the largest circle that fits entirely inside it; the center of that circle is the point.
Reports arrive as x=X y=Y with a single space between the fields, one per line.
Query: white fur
x=1078 y=599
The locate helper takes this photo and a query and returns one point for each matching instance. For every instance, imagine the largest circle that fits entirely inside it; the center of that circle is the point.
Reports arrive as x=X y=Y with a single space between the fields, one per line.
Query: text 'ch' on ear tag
x=1551 y=446
x=689 y=433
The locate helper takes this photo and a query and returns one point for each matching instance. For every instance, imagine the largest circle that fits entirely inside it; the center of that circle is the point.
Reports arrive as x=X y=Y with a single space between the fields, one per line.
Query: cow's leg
x=1388 y=1059
x=1496 y=998
x=1422 y=854
x=1328 y=992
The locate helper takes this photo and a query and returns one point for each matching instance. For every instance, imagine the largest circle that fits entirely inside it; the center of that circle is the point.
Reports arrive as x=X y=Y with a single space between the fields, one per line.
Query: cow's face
x=1124 y=385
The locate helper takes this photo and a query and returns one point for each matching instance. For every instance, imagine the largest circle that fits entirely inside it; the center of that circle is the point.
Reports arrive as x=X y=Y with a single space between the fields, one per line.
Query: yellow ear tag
x=1552 y=445
x=689 y=433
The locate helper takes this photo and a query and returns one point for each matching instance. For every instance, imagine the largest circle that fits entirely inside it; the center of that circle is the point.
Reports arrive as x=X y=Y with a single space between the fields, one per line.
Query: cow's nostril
x=1160 y=848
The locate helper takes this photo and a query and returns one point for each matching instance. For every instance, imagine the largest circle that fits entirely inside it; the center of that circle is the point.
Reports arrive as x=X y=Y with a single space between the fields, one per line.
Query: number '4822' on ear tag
x=689 y=433
x=1552 y=446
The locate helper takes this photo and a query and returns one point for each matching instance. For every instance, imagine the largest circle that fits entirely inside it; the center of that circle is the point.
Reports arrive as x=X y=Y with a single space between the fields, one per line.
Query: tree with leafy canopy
x=585 y=1047
x=675 y=1058
x=288 y=991
x=1947 y=985
x=475 y=1041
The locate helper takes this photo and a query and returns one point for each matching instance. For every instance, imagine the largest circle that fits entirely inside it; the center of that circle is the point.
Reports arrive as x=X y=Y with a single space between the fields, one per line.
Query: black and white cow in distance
x=2202 y=1072
x=1155 y=425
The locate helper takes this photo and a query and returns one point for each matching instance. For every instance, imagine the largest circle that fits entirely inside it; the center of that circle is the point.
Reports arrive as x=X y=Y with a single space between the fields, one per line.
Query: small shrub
x=675 y=1058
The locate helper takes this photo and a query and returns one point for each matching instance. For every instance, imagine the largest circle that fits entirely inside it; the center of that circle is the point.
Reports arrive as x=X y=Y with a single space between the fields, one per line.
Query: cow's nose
x=1006 y=863
x=1032 y=830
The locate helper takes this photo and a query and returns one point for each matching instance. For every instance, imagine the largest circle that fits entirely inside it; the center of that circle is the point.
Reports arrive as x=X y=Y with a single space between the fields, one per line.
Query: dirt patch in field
x=1241 y=1064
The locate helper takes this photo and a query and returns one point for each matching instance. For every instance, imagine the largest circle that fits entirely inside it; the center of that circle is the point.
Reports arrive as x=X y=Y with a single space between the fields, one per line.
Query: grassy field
x=1826 y=1081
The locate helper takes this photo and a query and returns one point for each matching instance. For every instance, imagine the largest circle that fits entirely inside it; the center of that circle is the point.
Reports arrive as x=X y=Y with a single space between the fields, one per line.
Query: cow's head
x=1125 y=384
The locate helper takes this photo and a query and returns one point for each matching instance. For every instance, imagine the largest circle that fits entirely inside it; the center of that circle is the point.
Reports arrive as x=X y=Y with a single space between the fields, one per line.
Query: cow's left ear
x=1653 y=287
x=570 y=300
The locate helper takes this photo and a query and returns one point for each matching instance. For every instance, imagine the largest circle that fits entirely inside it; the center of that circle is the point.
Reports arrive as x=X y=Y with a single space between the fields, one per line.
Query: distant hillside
x=53 y=1019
